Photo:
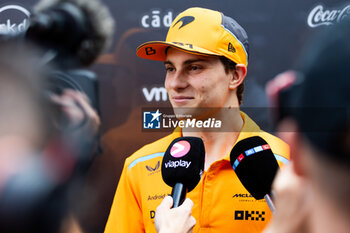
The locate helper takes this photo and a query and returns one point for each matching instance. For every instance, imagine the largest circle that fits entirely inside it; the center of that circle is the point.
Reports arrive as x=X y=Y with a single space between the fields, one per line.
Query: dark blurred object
x=31 y=194
x=40 y=163
x=319 y=98
x=70 y=34
x=77 y=30
x=313 y=193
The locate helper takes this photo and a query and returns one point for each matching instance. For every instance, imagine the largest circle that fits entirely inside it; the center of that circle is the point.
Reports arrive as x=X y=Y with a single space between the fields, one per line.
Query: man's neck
x=217 y=143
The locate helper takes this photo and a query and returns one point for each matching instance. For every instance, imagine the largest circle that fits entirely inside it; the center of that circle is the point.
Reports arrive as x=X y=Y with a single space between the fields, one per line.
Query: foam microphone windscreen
x=183 y=162
x=255 y=165
x=83 y=28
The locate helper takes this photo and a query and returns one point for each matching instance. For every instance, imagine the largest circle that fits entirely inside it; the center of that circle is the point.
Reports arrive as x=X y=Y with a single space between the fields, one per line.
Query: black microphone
x=79 y=29
x=256 y=167
x=182 y=166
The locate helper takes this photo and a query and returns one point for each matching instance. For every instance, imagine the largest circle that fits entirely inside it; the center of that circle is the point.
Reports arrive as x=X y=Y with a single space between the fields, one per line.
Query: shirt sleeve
x=125 y=215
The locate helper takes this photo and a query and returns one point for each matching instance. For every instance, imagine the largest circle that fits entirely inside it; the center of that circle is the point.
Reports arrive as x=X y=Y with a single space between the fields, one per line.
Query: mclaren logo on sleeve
x=185 y=20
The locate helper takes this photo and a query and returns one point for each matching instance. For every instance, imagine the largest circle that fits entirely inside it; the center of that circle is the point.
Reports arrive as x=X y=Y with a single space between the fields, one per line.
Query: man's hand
x=176 y=220
x=81 y=116
x=292 y=201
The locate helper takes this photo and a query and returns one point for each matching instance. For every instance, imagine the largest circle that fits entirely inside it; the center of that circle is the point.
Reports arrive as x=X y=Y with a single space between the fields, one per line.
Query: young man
x=206 y=57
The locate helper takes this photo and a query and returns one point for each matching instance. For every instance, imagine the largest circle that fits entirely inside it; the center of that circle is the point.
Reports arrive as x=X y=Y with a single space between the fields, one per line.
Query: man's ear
x=289 y=133
x=238 y=76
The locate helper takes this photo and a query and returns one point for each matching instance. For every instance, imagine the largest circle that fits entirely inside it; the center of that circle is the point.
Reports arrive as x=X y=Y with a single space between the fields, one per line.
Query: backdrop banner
x=277 y=32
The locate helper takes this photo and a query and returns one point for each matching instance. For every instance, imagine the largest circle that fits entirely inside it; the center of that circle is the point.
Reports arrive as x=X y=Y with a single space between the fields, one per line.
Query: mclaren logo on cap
x=185 y=20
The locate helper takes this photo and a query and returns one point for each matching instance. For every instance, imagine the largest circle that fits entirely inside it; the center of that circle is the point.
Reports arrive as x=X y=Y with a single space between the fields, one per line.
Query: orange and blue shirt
x=221 y=203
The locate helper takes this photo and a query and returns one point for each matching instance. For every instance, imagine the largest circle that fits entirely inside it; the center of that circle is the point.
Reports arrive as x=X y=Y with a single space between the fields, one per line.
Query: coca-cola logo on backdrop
x=319 y=16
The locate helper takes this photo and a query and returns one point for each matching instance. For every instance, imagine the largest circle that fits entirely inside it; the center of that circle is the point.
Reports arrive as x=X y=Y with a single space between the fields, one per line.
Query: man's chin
x=184 y=112
x=190 y=112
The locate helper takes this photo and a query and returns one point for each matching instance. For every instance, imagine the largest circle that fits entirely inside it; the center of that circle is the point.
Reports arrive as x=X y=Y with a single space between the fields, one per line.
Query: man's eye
x=169 y=69
x=194 y=67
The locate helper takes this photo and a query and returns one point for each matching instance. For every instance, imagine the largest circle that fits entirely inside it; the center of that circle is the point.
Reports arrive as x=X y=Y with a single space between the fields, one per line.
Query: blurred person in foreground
x=205 y=57
x=39 y=158
x=312 y=194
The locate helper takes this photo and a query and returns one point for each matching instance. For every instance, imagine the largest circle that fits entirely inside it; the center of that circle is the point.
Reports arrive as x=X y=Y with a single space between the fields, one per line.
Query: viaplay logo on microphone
x=178 y=150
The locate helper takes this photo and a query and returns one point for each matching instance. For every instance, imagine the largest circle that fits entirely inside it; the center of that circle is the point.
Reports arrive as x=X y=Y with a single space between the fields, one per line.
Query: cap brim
x=156 y=50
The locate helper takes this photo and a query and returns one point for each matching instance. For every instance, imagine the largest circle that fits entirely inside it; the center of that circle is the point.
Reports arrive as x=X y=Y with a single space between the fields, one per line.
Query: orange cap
x=201 y=31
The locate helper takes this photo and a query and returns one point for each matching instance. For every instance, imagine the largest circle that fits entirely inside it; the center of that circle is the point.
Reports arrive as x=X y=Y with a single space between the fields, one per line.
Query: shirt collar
x=249 y=129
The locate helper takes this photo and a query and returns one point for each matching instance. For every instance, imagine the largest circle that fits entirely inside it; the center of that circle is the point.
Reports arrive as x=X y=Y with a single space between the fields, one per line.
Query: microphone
x=182 y=166
x=81 y=29
x=256 y=166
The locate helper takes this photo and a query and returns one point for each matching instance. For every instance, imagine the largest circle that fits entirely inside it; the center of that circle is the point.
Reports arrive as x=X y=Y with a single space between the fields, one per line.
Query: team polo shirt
x=221 y=203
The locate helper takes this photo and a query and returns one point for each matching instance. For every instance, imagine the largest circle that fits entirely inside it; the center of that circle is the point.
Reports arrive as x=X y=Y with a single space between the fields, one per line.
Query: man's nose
x=178 y=81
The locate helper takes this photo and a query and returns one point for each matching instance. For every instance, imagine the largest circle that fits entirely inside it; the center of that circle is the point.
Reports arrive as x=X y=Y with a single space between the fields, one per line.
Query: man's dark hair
x=230 y=65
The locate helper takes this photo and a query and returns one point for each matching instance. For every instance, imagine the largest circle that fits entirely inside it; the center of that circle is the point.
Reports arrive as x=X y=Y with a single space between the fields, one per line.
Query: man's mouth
x=182 y=99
